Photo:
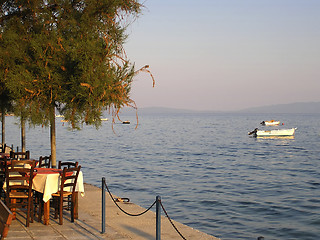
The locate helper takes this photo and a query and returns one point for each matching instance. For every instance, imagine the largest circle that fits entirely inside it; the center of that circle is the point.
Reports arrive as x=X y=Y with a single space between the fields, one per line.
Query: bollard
x=158 y=218
x=103 y=207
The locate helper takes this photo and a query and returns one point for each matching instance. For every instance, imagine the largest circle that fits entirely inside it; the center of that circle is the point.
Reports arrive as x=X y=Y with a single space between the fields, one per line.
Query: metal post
x=103 y=207
x=158 y=218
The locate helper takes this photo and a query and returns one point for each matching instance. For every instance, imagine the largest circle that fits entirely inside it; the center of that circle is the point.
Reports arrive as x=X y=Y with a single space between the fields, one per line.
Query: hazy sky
x=226 y=54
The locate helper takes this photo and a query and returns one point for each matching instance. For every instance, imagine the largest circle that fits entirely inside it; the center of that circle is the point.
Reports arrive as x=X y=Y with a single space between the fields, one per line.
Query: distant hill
x=156 y=110
x=165 y=110
x=301 y=107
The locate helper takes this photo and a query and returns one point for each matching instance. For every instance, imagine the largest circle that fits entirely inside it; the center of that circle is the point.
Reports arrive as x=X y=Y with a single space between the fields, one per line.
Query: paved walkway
x=119 y=226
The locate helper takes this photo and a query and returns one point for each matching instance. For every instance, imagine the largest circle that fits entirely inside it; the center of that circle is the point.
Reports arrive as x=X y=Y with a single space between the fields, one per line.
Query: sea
x=210 y=174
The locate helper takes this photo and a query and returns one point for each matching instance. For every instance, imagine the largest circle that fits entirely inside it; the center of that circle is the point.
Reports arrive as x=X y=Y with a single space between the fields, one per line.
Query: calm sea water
x=209 y=173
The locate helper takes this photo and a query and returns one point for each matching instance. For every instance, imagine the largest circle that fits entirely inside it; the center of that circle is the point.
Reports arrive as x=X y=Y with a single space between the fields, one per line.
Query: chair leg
x=28 y=214
x=72 y=207
x=61 y=210
x=32 y=211
x=40 y=204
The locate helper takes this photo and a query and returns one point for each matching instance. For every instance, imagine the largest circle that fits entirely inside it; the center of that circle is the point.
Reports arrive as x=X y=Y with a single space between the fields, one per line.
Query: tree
x=5 y=106
x=68 y=55
x=6 y=98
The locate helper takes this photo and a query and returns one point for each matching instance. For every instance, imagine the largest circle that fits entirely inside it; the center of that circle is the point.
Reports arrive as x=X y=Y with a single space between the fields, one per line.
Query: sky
x=225 y=55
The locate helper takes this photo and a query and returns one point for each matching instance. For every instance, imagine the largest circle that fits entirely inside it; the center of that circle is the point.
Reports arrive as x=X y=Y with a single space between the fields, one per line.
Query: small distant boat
x=272 y=133
x=104 y=119
x=126 y=122
x=270 y=123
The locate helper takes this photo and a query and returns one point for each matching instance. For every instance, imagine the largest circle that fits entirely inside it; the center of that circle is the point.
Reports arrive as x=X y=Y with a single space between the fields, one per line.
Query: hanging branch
x=145 y=69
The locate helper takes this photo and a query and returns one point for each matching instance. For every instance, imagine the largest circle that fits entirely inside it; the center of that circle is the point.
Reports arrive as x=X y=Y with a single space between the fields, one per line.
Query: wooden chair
x=20 y=155
x=61 y=165
x=5 y=219
x=19 y=192
x=67 y=188
x=45 y=162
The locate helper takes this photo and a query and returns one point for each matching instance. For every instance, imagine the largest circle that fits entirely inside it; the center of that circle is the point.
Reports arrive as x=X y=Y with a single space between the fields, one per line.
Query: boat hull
x=275 y=132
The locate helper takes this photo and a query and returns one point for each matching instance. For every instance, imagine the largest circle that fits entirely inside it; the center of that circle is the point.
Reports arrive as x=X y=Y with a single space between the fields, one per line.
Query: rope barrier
x=139 y=214
x=130 y=214
x=172 y=222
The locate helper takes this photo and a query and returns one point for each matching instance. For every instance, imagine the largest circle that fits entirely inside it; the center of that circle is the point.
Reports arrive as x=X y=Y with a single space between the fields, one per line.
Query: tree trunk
x=23 y=135
x=3 y=124
x=53 y=137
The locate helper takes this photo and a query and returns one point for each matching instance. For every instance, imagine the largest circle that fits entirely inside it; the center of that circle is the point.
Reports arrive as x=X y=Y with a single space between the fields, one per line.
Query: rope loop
x=130 y=214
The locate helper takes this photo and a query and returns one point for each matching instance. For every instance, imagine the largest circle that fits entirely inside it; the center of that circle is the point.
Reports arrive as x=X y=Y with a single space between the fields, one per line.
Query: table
x=47 y=181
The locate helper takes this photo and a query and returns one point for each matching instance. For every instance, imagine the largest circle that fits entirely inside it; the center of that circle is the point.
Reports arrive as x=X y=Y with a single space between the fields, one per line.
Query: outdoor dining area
x=33 y=186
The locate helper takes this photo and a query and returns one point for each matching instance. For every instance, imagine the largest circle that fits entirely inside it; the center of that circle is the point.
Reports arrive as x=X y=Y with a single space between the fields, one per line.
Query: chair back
x=69 y=179
x=20 y=175
x=20 y=155
x=61 y=164
x=45 y=162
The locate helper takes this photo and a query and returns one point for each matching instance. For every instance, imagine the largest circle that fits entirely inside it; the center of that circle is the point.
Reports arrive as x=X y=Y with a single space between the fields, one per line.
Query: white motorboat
x=270 y=123
x=275 y=132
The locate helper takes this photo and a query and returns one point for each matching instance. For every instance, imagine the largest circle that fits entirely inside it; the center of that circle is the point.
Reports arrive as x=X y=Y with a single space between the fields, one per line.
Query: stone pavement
x=119 y=226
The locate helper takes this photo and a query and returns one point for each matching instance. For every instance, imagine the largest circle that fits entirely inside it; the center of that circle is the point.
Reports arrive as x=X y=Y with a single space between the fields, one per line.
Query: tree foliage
x=66 y=54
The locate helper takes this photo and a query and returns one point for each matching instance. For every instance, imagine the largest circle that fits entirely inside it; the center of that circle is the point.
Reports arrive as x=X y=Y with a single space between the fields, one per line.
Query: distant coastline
x=299 y=107
x=294 y=108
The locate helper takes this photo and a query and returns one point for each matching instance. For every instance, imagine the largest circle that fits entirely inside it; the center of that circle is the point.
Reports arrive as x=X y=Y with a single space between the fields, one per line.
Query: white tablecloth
x=49 y=184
